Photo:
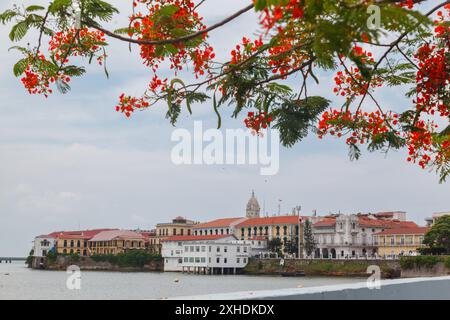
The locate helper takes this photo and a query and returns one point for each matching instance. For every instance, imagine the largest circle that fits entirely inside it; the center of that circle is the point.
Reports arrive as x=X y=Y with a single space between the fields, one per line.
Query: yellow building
x=75 y=242
x=178 y=227
x=115 y=242
x=400 y=241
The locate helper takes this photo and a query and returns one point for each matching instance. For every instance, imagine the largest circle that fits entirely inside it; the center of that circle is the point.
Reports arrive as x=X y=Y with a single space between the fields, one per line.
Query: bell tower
x=253 y=208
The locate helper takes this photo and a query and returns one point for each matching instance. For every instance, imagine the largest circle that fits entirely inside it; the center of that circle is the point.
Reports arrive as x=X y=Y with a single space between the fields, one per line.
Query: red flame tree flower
x=269 y=75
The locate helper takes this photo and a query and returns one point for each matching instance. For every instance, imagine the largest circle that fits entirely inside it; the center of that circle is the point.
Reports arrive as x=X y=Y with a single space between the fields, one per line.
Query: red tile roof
x=269 y=221
x=199 y=238
x=326 y=222
x=416 y=230
x=117 y=234
x=82 y=234
x=375 y=223
x=219 y=223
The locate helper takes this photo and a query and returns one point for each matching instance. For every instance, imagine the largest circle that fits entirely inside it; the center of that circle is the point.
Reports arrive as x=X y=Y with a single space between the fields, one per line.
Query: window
x=209 y=248
x=245 y=249
x=174 y=231
x=249 y=232
x=238 y=260
x=266 y=232
x=186 y=259
x=244 y=260
x=180 y=244
x=221 y=231
x=201 y=232
x=189 y=232
x=180 y=261
x=191 y=248
x=191 y=259
x=392 y=241
x=218 y=260
x=203 y=259
x=217 y=231
x=278 y=230
x=224 y=260
x=209 y=259
x=71 y=243
x=284 y=230
x=197 y=259
x=225 y=249
x=353 y=225
x=65 y=243
x=182 y=232
x=242 y=231
x=238 y=249
x=203 y=248
x=186 y=249
x=218 y=249
x=197 y=249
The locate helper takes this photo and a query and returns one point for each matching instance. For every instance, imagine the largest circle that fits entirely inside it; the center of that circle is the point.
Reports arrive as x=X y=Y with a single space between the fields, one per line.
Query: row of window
x=133 y=244
x=203 y=260
x=165 y=232
x=203 y=249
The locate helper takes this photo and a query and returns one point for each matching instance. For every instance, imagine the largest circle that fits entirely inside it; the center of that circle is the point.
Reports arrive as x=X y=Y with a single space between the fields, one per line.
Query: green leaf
x=33 y=8
x=19 y=31
x=20 y=66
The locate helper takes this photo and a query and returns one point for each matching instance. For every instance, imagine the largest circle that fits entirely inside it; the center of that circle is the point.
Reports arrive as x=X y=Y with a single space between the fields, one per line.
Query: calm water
x=19 y=282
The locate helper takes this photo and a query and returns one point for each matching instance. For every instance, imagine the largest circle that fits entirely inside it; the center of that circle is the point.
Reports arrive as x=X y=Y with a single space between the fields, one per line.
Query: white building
x=352 y=236
x=431 y=221
x=43 y=245
x=207 y=254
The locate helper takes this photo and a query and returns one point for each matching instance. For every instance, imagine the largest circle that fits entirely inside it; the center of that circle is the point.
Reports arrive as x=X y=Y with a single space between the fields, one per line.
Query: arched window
x=255 y=231
x=284 y=230
x=266 y=232
x=260 y=231
x=278 y=230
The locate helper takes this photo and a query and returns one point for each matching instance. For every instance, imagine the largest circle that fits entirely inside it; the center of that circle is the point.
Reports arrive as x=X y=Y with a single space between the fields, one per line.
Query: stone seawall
x=436 y=271
x=345 y=268
x=88 y=264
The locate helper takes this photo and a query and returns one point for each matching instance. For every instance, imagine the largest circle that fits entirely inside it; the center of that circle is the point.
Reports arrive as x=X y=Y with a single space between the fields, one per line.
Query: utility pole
x=298 y=209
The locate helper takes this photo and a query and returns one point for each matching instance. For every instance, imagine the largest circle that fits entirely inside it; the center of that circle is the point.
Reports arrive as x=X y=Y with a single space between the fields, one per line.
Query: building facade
x=178 y=227
x=75 y=242
x=115 y=242
x=351 y=236
x=44 y=244
x=210 y=254
x=400 y=241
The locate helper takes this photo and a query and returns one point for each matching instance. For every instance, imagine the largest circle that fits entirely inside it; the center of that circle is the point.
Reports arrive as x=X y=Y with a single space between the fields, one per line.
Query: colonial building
x=351 y=236
x=43 y=244
x=75 y=242
x=178 y=227
x=400 y=241
x=115 y=242
x=224 y=226
x=207 y=254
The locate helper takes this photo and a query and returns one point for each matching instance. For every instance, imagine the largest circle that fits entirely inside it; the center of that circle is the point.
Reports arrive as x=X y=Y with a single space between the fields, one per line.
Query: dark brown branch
x=177 y=40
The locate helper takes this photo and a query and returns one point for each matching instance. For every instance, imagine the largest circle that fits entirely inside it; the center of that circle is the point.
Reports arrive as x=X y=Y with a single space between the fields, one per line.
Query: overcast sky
x=71 y=161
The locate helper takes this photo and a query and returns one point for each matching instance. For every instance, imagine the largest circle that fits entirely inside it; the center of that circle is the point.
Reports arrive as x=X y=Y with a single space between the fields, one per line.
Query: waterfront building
x=178 y=227
x=344 y=236
x=400 y=241
x=207 y=254
x=115 y=242
x=224 y=226
x=150 y=240
x=43 y=244
x=75 y=242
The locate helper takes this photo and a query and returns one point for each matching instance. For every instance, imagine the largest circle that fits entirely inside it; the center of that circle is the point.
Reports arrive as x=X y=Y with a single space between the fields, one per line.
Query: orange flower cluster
x=76 y=43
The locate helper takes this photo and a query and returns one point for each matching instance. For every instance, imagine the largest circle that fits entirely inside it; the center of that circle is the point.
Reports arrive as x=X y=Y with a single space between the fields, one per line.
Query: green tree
x=274 y=245
x=310 y=243
x=439 y=234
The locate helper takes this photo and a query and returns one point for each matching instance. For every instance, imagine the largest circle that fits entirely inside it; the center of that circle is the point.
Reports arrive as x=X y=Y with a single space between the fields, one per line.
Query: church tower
x=253 y=208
